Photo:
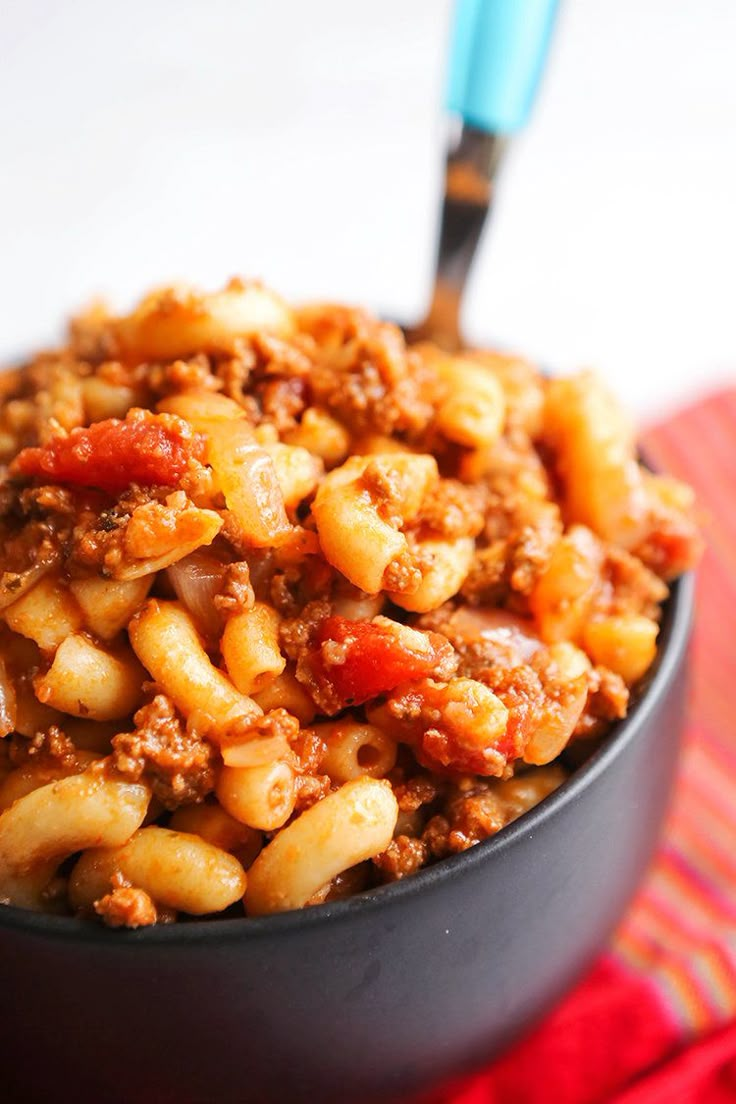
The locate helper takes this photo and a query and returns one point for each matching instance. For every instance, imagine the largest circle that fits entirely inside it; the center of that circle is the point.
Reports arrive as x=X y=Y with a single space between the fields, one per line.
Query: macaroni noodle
x=352 y=824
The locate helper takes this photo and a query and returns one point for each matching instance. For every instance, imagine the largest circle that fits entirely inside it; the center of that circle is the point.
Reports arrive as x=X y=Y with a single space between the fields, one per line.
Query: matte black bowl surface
x=362 y=999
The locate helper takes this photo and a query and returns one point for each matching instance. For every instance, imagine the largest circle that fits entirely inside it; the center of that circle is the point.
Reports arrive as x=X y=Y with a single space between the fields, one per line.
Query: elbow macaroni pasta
x=175 y=869
x=46 y=614
x=66 y=816
x=350 y=825
x=166 y=642
x=356 y=751
x=289 y=609
x=260 y=796
x=250 y=648
x=88 y=680
x=356 y=535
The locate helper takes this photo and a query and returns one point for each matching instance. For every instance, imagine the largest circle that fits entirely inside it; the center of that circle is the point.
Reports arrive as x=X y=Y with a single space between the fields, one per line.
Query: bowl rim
x=676 y=626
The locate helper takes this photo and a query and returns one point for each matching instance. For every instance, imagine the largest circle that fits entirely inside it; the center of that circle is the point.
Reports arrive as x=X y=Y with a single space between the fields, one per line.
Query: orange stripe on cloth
x=687 y=1001
x=705 y=840
x=706 y=805
x=709 y=906
x=703 y=943
x=681 y=930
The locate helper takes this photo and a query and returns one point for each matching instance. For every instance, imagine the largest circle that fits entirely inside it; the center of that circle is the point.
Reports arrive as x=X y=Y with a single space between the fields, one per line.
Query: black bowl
x=361 y=999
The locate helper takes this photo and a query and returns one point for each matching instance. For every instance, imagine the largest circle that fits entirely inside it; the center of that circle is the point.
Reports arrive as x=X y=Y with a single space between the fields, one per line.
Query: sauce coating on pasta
x=289 y=609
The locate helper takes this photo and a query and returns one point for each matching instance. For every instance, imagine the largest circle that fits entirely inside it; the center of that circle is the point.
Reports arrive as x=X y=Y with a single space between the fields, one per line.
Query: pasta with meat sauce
x=289 y=609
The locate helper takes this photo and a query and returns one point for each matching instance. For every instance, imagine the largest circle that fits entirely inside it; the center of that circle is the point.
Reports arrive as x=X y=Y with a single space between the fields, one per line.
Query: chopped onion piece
x=7 y=701
x=254 y=752
x=516 y=634
x=197 y=579
x=247 y=478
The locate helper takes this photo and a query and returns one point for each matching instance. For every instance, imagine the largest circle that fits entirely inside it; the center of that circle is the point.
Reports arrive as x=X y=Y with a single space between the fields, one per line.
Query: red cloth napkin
x=655 y=1020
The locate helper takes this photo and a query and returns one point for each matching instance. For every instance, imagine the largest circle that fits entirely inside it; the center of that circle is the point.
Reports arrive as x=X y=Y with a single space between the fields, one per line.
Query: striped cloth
x=655 y=1021
x=682 y=930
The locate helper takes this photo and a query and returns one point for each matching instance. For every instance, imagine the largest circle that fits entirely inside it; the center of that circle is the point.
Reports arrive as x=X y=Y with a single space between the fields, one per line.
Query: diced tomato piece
x=358 y=660
x=110 y=455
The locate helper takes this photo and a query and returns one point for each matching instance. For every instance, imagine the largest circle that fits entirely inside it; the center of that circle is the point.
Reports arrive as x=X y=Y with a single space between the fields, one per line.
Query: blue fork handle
x=497 y=55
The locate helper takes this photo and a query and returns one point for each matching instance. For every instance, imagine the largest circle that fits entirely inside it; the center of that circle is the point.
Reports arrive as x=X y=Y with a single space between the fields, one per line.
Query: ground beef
x=531 y=547
x=126 y=906
x=453 y=509
x=306 y=749
x=468 y=819
x=403 y=574
x=509 y=566
x=44 y=396
x=194 y=374
x=290 y=588
x=486 y=583
x=371 y=383
x=283 y=401
x=521 y=527
x=311 y=788
x=268 y=379
x=385 y=486
x=234 y=375
x=52 y=747
x=422 y=789
x=608 y=699
x=309 y=748
x=404 y=855
x=296 y=633
x=279 y=358
x=283 y=592
x=476 y=809
x=236 y=593
x=178 y=763
x=630 y=586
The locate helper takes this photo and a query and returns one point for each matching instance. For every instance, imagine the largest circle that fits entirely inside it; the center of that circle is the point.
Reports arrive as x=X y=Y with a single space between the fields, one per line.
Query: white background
x=301 y=141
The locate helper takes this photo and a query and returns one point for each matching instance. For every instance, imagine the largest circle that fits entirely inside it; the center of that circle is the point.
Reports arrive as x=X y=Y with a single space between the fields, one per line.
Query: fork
x=497 y=54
